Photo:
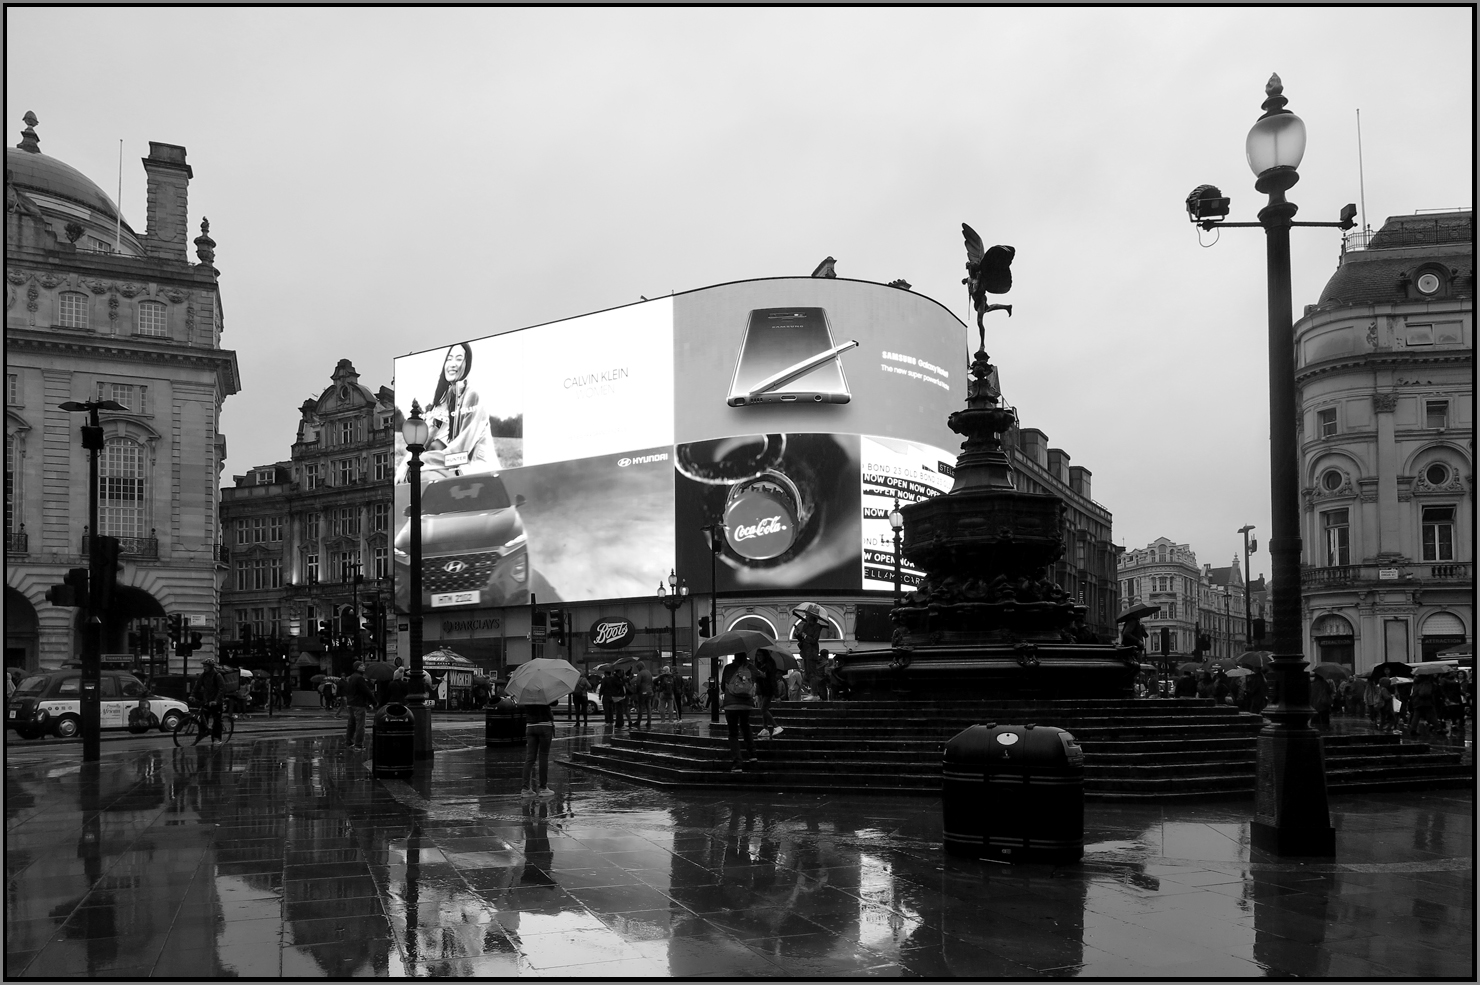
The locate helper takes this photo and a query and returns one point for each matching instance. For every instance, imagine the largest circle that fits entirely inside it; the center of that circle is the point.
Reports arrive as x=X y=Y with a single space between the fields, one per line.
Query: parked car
x=51 y=704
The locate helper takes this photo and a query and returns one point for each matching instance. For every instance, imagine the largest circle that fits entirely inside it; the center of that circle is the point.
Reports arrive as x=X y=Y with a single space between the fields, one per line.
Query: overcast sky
x=383 y=181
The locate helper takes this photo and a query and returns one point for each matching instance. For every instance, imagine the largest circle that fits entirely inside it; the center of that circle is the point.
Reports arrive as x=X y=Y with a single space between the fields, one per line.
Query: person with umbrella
x=1424 y=705
x=766 y=676
x=613 y=691
x=737 y=683
x=537 y=686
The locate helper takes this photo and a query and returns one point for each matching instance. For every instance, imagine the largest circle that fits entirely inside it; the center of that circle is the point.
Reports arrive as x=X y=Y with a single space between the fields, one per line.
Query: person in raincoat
x=737 y=684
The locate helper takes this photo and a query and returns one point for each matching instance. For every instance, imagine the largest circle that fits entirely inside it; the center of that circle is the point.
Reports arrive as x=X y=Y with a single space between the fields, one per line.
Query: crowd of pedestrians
x=1431 y=704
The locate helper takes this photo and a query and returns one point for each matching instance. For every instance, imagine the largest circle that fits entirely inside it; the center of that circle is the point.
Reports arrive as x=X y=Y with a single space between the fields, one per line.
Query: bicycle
x=195 y=726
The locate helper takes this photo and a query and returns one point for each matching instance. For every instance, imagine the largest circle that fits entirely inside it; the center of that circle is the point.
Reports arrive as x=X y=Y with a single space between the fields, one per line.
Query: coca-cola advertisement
x=785 y=509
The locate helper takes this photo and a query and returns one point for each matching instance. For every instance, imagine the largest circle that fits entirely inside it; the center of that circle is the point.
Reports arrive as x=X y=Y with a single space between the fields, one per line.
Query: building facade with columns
x=95 y=311
x=1385 y=366
x=308 y=540
x=1165 y=573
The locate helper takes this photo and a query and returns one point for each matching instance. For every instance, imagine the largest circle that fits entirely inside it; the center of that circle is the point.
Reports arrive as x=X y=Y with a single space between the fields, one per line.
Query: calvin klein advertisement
x=581 y=459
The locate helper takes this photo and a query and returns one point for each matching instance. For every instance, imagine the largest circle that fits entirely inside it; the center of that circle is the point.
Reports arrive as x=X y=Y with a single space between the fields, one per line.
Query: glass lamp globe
x=414 y=429
x=1276 y=141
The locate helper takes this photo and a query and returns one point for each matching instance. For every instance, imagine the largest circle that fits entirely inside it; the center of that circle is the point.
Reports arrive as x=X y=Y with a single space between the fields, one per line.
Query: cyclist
x=209 y=690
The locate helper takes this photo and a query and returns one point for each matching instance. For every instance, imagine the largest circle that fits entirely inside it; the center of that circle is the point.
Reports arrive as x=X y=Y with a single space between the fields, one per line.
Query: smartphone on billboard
x=788 y=356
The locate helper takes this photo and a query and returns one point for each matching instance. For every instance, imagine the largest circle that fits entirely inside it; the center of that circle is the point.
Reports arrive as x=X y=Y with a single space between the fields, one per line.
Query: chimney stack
x=169 y=179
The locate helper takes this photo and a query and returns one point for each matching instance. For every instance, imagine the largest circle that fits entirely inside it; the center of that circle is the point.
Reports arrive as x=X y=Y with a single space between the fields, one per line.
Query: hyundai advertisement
x=583 y=459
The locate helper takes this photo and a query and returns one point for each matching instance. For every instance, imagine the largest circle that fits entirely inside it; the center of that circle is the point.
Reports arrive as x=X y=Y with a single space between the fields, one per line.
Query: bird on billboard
x=825 y=268
x=988 y=272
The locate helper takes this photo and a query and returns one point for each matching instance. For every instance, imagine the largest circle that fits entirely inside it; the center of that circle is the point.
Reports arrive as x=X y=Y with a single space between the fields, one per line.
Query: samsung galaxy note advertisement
x=584 y=459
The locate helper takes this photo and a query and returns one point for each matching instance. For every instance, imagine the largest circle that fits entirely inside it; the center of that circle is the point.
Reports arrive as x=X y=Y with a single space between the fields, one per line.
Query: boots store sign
x=612 y=632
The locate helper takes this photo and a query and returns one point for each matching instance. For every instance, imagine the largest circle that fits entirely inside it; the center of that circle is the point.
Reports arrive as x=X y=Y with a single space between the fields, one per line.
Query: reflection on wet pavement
x=287 y=858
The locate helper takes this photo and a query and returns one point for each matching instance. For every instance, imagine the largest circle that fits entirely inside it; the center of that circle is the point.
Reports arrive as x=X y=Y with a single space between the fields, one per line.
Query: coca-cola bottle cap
x=761 y=518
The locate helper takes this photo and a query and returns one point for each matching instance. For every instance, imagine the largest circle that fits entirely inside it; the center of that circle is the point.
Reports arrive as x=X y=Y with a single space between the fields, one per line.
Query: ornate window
x=382 y=466
x=72 y=309
x=10 y=503
x=1326 y=422
x=153 y=319
x=1436 y=414
x=380 y=515
x=345 y=471
x=1332 y=480
x=1438 y=533
x=121 y=489
x=382 y=563
x=1336 y=536
x=313 y=475
x=1437 y=474
x=311 y=567
x=275 y=529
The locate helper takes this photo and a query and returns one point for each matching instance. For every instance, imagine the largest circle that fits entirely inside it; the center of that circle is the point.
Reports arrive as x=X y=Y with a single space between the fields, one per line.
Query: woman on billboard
x=460 y=437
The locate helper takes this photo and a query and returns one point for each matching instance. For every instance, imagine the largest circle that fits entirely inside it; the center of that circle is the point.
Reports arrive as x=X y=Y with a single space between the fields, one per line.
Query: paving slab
x=283 y=856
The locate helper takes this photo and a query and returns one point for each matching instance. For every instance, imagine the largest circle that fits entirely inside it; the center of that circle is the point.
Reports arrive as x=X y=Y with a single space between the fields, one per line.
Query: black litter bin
x=503 y=723
x=1014 y=793
x=393 y=744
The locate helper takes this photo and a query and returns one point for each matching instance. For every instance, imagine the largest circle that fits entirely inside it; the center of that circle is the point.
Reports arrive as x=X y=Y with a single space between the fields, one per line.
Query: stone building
x=309 y=539
x=1223 y=618
x=1385 y=366
x=94 y=311
x=1165 y=574
x=1087 y=571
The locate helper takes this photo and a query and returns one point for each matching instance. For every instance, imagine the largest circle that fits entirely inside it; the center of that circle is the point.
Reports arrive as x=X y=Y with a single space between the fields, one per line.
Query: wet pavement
x=284 y=857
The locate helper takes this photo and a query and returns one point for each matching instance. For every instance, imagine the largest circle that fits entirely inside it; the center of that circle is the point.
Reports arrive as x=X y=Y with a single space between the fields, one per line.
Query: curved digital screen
x=583 y=459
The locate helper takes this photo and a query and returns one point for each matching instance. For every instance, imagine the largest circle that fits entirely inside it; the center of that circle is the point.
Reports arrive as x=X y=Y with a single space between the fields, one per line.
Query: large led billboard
x=583 y=459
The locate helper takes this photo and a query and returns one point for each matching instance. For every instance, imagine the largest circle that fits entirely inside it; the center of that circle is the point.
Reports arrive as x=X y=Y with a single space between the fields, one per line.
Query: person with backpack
x=663 y=693
x=580 y=708
x=737 y=684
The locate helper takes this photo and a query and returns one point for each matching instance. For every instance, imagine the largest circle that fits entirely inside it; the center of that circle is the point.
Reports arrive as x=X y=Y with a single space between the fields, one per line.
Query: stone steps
x=1133 y=749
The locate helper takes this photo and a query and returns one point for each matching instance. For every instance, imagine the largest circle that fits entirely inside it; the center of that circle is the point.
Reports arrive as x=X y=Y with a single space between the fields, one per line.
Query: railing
x=1352 y=574
x=16 y=542
x=130 y=546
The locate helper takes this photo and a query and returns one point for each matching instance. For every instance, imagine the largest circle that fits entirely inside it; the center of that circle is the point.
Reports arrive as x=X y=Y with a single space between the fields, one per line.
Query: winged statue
x=989 y=271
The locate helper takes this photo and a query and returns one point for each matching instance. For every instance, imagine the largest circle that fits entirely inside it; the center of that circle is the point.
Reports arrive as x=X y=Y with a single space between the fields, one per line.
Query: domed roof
x=30 y=170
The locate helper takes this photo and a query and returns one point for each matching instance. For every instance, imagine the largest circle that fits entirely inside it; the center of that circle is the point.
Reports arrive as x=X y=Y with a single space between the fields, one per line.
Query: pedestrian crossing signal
x=704 y=630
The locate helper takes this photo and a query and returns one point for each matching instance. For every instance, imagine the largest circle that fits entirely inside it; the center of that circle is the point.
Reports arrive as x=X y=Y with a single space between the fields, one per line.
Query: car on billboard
x=51 y=704
x=474 y=551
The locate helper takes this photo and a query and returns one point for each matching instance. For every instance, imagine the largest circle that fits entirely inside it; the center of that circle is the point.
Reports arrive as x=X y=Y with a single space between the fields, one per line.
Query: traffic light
x=72 y=591
x=177 y=629
x=704 y=630
x=186 y=648
x=245 y=632
x=326 y=631
x=372 y=620
x=108 y=567
x=557 y=626
x=1166 y=639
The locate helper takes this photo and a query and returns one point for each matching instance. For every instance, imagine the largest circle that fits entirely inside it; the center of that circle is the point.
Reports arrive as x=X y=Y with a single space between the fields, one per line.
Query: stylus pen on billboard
x=797 y=369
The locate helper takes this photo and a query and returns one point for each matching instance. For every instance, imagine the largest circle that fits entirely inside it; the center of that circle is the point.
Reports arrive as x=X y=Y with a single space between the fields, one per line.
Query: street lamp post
x=1291 y=813
x=715 y=532
x=416 y=432
x=673 y=598
x=1249 y=548
x=92 y=633
x=896 y=521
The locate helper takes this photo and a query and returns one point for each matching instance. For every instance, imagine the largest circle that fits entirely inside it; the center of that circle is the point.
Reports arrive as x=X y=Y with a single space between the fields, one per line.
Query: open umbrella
x=783 y=659
x=733 y=641
x=1140 y=611
x=379 y=670
x=1331 y=672
x=318 y=679
x=1437 y=667
x=1391 y=668
x=1256 y=660
x=542 y=680
x=805 y=609
x=1189 y=668
x=1221 y=663
x=1239 y=672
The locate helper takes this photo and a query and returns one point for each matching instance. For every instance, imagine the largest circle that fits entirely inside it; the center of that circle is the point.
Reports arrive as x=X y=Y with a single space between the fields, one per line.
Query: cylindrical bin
x=1014 y=793
x=503 y=723
x=393 y=744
